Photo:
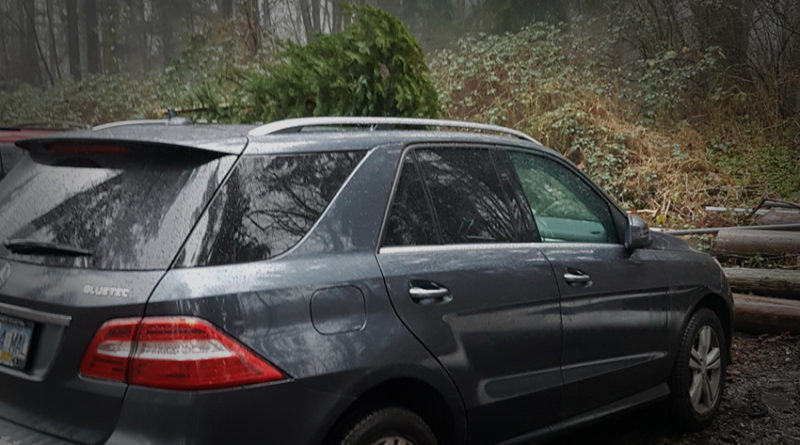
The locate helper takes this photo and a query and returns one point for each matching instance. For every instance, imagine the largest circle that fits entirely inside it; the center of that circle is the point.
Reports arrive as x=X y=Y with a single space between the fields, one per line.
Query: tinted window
x=131 y=212
x=11 y=155
x=565 y=208
x=267 y=205
x=469 y=202
x=410 y=219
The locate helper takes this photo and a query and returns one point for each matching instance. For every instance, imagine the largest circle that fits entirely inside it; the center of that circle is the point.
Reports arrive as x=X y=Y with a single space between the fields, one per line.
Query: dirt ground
x=761 y=404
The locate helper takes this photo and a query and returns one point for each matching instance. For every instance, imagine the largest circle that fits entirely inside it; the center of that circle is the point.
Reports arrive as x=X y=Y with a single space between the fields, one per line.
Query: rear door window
x=267 y=205
x=469 y=202
x=128 y=211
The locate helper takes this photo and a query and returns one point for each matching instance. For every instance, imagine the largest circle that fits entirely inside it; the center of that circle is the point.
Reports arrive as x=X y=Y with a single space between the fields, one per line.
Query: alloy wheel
x=705 y=362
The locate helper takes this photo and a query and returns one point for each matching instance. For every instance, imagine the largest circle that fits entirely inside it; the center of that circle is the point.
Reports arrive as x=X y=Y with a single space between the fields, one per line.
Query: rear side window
x=267 y=205
x=127 y=211
x=468 y=199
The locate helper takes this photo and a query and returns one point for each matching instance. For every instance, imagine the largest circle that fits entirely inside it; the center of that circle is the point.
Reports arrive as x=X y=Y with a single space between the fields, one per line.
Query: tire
x=697 y=383
x=389 y=426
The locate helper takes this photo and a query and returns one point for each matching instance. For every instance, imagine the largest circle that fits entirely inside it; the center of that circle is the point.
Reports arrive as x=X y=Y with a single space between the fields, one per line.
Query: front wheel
x=390 y=426
x=698 y=378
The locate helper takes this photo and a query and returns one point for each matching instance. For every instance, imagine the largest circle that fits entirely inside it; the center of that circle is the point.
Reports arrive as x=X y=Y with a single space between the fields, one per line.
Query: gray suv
x=337 y=281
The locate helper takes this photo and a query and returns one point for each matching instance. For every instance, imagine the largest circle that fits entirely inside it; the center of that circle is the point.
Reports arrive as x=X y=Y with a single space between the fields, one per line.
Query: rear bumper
x=279 y=413
x=13 y=434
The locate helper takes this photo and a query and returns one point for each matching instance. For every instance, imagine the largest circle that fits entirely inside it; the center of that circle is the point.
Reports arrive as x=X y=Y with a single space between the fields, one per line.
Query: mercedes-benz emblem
x=5 y=272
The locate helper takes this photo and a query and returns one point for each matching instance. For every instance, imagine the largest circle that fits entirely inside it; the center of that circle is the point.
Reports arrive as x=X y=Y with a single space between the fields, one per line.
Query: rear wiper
x=33 y=247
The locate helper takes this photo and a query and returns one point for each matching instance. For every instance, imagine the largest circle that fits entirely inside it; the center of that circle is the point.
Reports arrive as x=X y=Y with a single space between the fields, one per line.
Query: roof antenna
x=174 y=119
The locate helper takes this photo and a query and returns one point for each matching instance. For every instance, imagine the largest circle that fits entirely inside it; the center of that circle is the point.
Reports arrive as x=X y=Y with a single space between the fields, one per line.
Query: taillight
x=109 y=353
x=172 y=353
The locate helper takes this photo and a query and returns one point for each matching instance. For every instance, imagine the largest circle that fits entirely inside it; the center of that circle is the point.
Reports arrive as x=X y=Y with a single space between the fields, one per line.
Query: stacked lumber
x=747 y=243
x=771 y=282
x=759 y=314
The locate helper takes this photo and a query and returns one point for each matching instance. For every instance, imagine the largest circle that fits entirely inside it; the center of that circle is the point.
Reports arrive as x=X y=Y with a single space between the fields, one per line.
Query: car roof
x=232 y=139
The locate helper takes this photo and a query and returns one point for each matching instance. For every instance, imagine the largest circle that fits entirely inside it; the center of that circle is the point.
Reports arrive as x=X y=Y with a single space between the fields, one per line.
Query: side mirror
x=637 y=234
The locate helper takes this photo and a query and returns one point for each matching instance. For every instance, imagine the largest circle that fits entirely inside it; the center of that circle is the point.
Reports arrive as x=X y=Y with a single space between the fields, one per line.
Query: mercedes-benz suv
x=337 y=280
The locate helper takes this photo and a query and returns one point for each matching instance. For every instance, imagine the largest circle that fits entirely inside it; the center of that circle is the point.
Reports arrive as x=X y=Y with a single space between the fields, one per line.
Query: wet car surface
x=207 y=284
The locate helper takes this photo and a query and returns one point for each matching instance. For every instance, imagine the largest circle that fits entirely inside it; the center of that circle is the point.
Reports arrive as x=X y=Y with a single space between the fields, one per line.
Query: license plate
x=15 y=340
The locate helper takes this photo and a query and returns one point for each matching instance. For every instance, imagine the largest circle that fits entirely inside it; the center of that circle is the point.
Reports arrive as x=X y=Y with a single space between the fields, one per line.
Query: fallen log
x=778 y=217
x=772 y=282
x=737 y=243
x=762 y=315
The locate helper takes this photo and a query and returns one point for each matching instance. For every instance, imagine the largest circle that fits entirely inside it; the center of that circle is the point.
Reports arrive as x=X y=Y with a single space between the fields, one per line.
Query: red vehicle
x=10 y=154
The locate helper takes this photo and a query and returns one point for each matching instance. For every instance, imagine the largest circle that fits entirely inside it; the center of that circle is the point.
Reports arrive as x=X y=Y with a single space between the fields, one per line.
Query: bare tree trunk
x=726 y=25
x=32 y=46
x=308 y=24
x=169 y=18
x=111 y=42
x=190 y=16
x=92 y=36
x=225 y=8
x=73 y=40
x=53 y=47
x=315 y=15
x=253 y=18
x=295 y=22
x=4 y=68
x=338 y=16
x=267 y=13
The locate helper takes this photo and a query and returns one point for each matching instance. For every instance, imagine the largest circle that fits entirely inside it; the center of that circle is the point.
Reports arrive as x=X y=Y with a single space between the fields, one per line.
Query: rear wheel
x=389 y=426
x=698 y=379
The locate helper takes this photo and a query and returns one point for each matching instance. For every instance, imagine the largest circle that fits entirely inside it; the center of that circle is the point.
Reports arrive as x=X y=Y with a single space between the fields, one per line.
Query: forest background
x=670 y=105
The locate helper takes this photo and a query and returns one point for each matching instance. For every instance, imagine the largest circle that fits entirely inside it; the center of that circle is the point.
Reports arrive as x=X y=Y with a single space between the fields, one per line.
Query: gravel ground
x=761 y=404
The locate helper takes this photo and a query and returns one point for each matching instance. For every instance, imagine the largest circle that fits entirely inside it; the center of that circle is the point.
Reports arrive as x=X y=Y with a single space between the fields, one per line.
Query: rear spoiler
x=105 y=146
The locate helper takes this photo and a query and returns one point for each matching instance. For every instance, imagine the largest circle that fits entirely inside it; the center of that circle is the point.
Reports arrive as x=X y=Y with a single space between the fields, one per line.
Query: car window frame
x=618 y=217
x=508 y=190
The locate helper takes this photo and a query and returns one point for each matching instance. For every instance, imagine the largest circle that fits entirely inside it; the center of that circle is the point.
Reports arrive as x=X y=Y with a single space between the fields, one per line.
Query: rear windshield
x=128 y=212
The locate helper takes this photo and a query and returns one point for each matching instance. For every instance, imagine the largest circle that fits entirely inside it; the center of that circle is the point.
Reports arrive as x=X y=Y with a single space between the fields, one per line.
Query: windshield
x=128 y=212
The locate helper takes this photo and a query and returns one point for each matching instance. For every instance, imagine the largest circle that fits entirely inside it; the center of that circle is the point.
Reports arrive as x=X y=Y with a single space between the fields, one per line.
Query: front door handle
x=576 y=278
x=426 y=293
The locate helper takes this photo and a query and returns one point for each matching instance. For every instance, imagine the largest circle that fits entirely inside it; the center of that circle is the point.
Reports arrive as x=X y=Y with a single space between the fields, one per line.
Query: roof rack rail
x=378 y=123
x=165 y=122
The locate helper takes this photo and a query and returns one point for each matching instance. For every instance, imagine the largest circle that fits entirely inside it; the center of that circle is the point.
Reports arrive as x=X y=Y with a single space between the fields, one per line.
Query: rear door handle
x=426 y=293
x=575 y=277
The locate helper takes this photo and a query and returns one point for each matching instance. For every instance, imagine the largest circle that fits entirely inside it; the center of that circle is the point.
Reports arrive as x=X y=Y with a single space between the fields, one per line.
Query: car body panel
x=267 y=305
x=693 y=276
x=500 y=335
x=49 y=395
x=614 y=329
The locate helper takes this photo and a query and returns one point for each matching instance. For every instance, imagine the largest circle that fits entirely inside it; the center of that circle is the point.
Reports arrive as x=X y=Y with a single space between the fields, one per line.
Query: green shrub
x=373 y=68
